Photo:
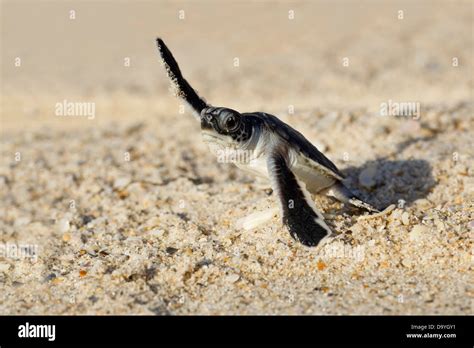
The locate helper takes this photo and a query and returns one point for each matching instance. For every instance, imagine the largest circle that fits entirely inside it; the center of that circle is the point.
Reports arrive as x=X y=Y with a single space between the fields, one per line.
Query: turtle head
x=224 y=128
x=225 y=124
x=223 y=121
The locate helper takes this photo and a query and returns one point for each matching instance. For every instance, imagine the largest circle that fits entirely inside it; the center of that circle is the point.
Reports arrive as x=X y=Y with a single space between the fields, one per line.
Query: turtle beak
x=206 y=118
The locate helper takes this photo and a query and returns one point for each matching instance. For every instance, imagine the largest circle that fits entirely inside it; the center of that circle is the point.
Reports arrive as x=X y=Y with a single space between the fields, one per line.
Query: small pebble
x=56 y=281
x=153 y=222
x=439 y=224
x=321 y=265
x=204 y=262
x=155 y=232
x=63 y=225
x=4 y=267
x=405 y=218
x=50 y=277
x=171 y=250
x=418 y=232
x=121 y=182
x=86 y=219
x=423 y=203
x=232 y=278
x=406 y=262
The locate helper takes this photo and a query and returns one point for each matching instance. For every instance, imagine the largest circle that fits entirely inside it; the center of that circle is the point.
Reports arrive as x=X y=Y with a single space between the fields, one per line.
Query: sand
x=127 y=212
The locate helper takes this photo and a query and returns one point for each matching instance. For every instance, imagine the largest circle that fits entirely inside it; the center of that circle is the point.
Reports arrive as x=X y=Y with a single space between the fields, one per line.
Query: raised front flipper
x=182 y=88
x=305 y=223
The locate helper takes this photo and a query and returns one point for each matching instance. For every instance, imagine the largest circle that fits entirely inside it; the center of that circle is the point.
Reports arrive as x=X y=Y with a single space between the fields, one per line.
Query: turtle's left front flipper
x=305 y=223
x=182 y=88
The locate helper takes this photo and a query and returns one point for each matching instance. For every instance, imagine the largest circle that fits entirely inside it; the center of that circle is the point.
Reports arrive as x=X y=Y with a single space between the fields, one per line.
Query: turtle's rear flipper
x=343 y=194
x=299 y=213
x=182 y=88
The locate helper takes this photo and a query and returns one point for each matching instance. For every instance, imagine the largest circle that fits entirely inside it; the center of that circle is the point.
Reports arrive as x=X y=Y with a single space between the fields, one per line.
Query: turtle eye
x=231 y=123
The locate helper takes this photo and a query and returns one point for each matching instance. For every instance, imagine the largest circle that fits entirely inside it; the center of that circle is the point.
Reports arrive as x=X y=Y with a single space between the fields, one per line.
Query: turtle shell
x=307 y=151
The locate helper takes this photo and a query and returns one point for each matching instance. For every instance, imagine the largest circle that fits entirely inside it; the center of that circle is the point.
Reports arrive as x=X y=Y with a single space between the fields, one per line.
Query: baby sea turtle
x=264 y=145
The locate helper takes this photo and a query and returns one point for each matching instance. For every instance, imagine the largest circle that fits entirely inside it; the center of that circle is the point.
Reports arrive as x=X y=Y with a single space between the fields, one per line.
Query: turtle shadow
x=386 y=182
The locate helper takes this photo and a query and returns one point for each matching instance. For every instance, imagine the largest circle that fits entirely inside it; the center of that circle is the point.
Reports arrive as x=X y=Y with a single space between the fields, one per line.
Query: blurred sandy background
x=156 y=233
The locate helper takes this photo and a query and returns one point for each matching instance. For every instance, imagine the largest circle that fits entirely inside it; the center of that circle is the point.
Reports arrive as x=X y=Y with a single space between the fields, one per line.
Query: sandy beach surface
x=120 y=208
